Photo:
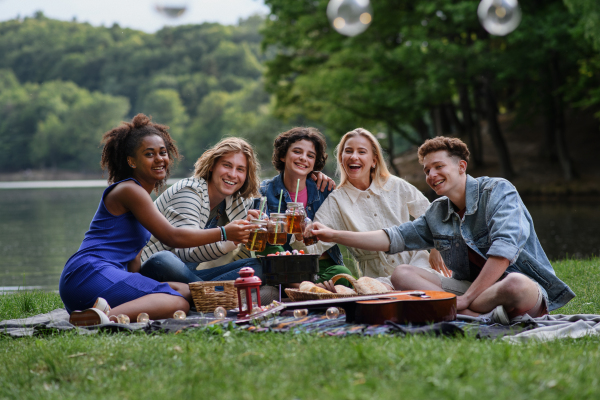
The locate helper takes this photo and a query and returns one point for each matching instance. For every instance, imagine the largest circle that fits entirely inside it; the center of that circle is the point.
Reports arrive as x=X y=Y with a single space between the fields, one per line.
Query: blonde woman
x=370 y=198
x=221 y=190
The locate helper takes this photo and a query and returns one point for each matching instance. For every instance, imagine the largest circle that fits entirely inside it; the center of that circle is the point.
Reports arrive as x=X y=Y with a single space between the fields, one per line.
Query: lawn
x=241 y=365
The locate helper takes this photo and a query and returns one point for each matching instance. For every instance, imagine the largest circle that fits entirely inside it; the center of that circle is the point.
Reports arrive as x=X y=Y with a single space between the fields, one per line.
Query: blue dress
x=99 y=268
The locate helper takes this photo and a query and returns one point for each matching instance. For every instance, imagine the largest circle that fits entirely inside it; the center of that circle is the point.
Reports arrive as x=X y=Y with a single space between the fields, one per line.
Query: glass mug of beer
x=276 y=229
x=309 y=238
x=258 y=236
x=295 y=215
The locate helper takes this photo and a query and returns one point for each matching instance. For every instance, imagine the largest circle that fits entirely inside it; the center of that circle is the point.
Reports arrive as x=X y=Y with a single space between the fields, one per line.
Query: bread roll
x=316 y=289
x=305 y=286
x=344 y=290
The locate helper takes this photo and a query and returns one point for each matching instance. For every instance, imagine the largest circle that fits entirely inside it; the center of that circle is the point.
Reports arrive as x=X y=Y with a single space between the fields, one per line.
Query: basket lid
x=247 y=279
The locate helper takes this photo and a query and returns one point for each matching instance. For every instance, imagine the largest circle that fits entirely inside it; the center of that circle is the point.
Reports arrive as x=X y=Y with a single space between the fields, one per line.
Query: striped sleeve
x=186 y=205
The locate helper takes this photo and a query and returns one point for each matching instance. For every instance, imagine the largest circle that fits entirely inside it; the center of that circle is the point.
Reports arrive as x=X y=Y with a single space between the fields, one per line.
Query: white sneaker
x=499 y=316
x=89 y=317
x=102 y=305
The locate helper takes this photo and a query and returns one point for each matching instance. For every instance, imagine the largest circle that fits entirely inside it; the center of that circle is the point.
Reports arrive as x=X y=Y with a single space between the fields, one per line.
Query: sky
x=135 y=14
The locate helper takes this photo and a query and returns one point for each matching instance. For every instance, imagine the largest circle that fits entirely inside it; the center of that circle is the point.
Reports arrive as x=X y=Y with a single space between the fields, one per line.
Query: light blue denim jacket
x=495 y=223
x=271 y=188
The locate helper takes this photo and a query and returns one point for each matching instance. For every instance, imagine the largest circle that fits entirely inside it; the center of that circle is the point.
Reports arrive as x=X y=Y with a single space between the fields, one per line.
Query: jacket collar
x=471 y=198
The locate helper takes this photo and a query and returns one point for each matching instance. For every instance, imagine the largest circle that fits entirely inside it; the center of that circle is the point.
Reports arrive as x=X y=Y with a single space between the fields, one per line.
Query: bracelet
x=223 y=234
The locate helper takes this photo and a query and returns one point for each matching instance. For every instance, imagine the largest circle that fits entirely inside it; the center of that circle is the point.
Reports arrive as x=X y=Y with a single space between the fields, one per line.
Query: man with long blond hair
x=222 y=189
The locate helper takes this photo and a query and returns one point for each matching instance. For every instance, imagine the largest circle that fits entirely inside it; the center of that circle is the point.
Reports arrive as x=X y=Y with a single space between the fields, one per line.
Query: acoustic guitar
x=415 y=307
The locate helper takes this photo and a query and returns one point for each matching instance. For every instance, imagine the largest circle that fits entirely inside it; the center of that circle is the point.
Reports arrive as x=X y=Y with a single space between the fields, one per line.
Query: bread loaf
x=305 y=286
x=344 y=290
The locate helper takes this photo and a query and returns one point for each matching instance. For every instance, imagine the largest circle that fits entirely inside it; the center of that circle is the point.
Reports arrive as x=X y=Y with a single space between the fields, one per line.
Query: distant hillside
x=62 y=84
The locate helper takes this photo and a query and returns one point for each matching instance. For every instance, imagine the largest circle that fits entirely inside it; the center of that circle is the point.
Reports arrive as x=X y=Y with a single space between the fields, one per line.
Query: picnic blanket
x=522 y=329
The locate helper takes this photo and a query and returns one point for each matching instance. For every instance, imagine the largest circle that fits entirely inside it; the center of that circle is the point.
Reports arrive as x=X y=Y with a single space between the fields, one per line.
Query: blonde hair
x=379 y=174
x=203 y=166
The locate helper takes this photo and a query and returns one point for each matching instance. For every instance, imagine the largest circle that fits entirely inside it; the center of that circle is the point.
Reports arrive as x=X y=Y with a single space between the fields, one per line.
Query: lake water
x=41 y=228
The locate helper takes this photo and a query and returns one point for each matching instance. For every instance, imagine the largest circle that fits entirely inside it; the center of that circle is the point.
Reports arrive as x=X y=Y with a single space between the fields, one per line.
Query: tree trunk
x=559 y=115
x=491 y=111
x=422 y=129
x=455 y=125
x=469 y=125
x=390 y=151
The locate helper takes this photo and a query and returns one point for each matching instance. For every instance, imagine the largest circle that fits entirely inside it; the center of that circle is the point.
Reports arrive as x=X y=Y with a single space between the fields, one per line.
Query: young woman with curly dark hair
x=105 y=269
x=299 y=154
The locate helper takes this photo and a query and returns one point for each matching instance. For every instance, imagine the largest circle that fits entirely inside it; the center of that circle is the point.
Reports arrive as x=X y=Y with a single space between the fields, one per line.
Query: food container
x=295 y=215
x=276 y=229
x=290 y=269
x=258 y=236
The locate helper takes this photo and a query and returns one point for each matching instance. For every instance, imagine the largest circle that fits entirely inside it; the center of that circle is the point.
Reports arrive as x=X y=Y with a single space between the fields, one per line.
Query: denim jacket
x=495 y=223
x=271 y=188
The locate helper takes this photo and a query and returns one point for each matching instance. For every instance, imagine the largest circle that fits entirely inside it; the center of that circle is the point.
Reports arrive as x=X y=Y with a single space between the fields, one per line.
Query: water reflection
x=41 y=228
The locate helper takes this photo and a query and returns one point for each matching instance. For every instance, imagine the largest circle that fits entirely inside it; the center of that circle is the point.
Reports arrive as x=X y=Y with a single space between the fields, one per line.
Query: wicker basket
x=206 y=299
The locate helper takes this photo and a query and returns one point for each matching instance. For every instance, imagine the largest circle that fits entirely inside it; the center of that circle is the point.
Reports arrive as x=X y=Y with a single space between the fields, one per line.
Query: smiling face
x=150 y=161
x=446 y=175
x=357 y=160
x=300 y=159
x=228 y=174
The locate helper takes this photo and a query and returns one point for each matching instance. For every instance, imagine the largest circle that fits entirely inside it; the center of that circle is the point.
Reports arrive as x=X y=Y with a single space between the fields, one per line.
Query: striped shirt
x=186 y=204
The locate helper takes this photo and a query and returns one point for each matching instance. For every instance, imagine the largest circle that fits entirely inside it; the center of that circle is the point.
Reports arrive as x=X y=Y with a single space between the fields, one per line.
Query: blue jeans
x=165 y=266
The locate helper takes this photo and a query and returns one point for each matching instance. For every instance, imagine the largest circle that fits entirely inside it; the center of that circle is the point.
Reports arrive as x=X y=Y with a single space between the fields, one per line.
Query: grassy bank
x=217 y=364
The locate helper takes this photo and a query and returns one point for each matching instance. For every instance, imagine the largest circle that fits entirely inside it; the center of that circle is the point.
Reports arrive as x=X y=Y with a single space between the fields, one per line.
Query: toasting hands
x=238 y=231
x=322 y=232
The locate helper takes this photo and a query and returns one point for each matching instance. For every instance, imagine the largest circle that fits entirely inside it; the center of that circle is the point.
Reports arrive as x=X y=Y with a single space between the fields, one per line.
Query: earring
x=132 y=166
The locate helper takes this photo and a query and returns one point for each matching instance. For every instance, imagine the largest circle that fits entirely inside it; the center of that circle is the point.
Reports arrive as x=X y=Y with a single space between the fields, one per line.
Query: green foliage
x=55 y=124
x=418 y=56
x=204 y=81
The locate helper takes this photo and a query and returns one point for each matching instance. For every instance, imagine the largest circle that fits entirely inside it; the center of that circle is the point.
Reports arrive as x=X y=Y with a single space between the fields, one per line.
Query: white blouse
x=351 y=209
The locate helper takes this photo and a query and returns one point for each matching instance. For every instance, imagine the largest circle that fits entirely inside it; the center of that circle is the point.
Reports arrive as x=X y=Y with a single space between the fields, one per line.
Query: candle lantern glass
x=244 y=285
x=277 y=229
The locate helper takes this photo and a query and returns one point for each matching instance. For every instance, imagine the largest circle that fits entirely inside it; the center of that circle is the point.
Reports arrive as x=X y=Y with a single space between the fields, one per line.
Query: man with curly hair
x=485 y=235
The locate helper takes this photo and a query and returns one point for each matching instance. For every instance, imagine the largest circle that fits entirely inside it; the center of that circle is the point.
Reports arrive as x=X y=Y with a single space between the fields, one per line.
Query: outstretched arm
x=373 y=241
x=135 y=199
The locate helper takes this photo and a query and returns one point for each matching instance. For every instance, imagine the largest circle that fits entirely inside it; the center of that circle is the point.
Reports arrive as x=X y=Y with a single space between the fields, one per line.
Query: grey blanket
x=549 y=327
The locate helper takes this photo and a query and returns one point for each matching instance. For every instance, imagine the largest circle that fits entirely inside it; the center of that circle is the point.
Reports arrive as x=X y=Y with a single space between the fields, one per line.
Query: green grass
x=239 y=365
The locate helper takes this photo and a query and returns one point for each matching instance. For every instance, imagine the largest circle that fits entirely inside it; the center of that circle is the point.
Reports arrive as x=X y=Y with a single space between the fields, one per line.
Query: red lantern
x=246 y=282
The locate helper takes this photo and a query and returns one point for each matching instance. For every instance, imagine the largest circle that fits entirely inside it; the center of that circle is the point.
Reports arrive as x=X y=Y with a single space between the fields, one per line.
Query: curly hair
x=124 y=140
x=379 y=174
x=284 y=140
x=203 y=166
x=455 y=148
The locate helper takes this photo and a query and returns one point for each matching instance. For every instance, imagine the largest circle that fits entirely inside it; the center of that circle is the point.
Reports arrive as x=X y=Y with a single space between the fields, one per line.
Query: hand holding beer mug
x=309 y=238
